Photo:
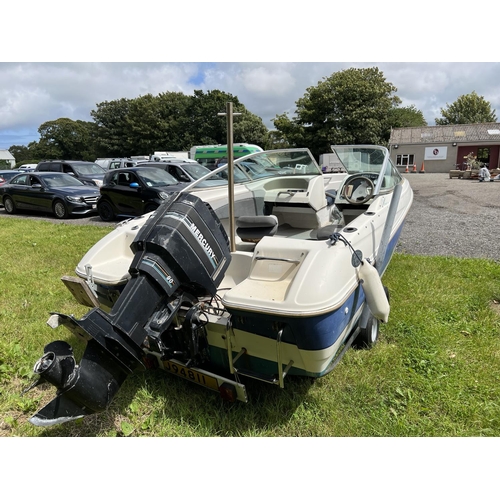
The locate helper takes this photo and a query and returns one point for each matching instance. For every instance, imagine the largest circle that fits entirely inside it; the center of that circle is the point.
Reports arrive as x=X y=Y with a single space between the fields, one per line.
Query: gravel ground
x=453 y=217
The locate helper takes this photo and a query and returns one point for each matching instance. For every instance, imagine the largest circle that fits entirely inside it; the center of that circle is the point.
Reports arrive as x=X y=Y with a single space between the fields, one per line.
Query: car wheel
x=60 y=210
x=106 y=211
x=9 y=206
x=150 y=207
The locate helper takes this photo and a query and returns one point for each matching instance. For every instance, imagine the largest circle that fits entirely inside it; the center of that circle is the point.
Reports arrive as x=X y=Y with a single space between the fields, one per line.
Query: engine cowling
x=181 y=254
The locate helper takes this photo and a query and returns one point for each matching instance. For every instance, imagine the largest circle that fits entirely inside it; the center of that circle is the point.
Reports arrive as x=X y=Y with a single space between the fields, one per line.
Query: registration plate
x=191 y=374
x=94 y=206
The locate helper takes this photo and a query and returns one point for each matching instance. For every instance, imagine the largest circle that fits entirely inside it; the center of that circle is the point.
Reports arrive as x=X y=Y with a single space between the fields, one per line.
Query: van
x=209 y=156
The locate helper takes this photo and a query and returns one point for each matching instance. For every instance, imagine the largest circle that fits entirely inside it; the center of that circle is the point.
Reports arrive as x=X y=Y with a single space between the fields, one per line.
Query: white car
x=27 y=167
x=112 y=163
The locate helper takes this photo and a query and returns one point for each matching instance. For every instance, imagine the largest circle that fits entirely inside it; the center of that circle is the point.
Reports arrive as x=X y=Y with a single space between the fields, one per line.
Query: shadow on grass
x=158 y=404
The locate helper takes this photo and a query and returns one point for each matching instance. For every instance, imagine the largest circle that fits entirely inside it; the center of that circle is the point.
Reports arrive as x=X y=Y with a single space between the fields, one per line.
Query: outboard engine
x=181 y=255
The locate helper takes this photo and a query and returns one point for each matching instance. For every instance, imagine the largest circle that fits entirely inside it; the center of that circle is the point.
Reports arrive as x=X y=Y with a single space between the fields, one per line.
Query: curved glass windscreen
x=277 y=163
x=268 y=164
x=369 y=159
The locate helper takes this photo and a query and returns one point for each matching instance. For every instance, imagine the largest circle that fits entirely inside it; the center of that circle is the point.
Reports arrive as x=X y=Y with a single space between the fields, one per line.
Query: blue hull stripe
x=311 y=332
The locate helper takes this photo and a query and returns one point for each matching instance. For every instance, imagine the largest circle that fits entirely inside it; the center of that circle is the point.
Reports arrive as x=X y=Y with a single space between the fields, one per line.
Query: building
x=5 y=155
x=443 y=148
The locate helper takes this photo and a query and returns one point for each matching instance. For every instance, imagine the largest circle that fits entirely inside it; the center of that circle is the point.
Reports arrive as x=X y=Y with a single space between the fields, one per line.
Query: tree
x=206 y=127
x=171 y=121
x=468 y=108
x=174 y=121
x=155 y=123
x=406 y=116
x=110 y=118
x=349 y=107
x=67 y=139
x=20 y=153
x=43 y=150
x=276 y=140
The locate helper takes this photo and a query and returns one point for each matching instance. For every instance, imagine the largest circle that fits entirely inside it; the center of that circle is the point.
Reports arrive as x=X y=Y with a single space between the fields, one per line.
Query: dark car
x=54 y=192
x=7 y=175
x=134 y=191
x=86 y=171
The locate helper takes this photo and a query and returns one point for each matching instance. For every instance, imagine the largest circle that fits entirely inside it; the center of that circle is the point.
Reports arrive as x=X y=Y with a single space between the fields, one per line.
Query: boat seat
x=252 y=228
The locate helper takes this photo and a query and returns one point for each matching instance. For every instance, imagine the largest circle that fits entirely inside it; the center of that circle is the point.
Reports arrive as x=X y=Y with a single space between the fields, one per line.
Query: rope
x=336 y=237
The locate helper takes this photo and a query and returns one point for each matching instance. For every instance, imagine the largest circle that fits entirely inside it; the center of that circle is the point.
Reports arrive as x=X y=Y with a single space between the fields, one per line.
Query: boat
x=276 y=276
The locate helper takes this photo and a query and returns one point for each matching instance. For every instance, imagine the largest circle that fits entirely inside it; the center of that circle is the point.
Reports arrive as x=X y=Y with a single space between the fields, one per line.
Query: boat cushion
x=254 y=227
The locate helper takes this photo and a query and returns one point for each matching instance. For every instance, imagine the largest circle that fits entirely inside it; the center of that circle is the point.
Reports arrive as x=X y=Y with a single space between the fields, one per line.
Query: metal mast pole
x=230 y=173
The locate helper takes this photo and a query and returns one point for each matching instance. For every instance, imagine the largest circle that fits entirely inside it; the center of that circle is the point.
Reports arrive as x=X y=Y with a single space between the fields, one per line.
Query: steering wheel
x=358 y=190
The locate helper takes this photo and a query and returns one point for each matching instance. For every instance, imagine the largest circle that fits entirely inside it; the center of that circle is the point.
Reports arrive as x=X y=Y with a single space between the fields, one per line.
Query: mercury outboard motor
x=181 y=254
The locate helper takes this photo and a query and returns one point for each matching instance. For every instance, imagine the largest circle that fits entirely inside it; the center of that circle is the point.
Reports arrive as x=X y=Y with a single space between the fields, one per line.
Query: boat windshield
x=369 y=159
x=266 y=164
x=275 y=163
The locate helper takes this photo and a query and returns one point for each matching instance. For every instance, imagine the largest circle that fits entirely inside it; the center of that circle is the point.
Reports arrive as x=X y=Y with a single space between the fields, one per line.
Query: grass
x=434 y=372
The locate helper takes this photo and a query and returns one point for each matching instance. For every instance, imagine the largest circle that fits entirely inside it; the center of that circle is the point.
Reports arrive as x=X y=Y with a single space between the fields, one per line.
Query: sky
x=267 y=61
x=32 y=93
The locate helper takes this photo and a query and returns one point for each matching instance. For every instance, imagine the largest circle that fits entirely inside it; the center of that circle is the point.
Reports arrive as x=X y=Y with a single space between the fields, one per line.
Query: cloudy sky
x=33 y=91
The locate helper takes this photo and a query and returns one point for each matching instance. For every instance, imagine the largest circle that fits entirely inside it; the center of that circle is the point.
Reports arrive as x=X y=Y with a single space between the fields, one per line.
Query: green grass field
x=434 y=372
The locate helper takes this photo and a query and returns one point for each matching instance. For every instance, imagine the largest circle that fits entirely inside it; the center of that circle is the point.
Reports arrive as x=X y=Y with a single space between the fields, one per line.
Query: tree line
x=352 y=106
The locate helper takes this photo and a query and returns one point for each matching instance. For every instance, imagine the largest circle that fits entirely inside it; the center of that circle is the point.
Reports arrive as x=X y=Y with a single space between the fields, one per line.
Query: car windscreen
x=61 y=180
x=90 y=169
x=155 y=177
x=196 y=171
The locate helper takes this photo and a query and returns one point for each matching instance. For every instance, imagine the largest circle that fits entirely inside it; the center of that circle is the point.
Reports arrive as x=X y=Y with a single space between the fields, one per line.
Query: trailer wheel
x=367 y=337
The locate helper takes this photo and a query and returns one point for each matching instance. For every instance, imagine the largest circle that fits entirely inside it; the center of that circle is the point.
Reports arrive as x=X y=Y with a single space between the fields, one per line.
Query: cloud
x=33 y=93
x=267 y=82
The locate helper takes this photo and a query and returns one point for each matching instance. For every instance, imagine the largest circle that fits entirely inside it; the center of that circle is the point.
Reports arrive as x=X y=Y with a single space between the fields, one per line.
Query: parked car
x=130 y=192
x=27 y=167
x=187 y=172
x=53 y=192
x=86 y=171
x=6 y=175
x=113 y=163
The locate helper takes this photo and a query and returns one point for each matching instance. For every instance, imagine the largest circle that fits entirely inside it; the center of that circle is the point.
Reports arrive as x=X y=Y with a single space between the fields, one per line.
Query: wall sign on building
x=436 y=153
